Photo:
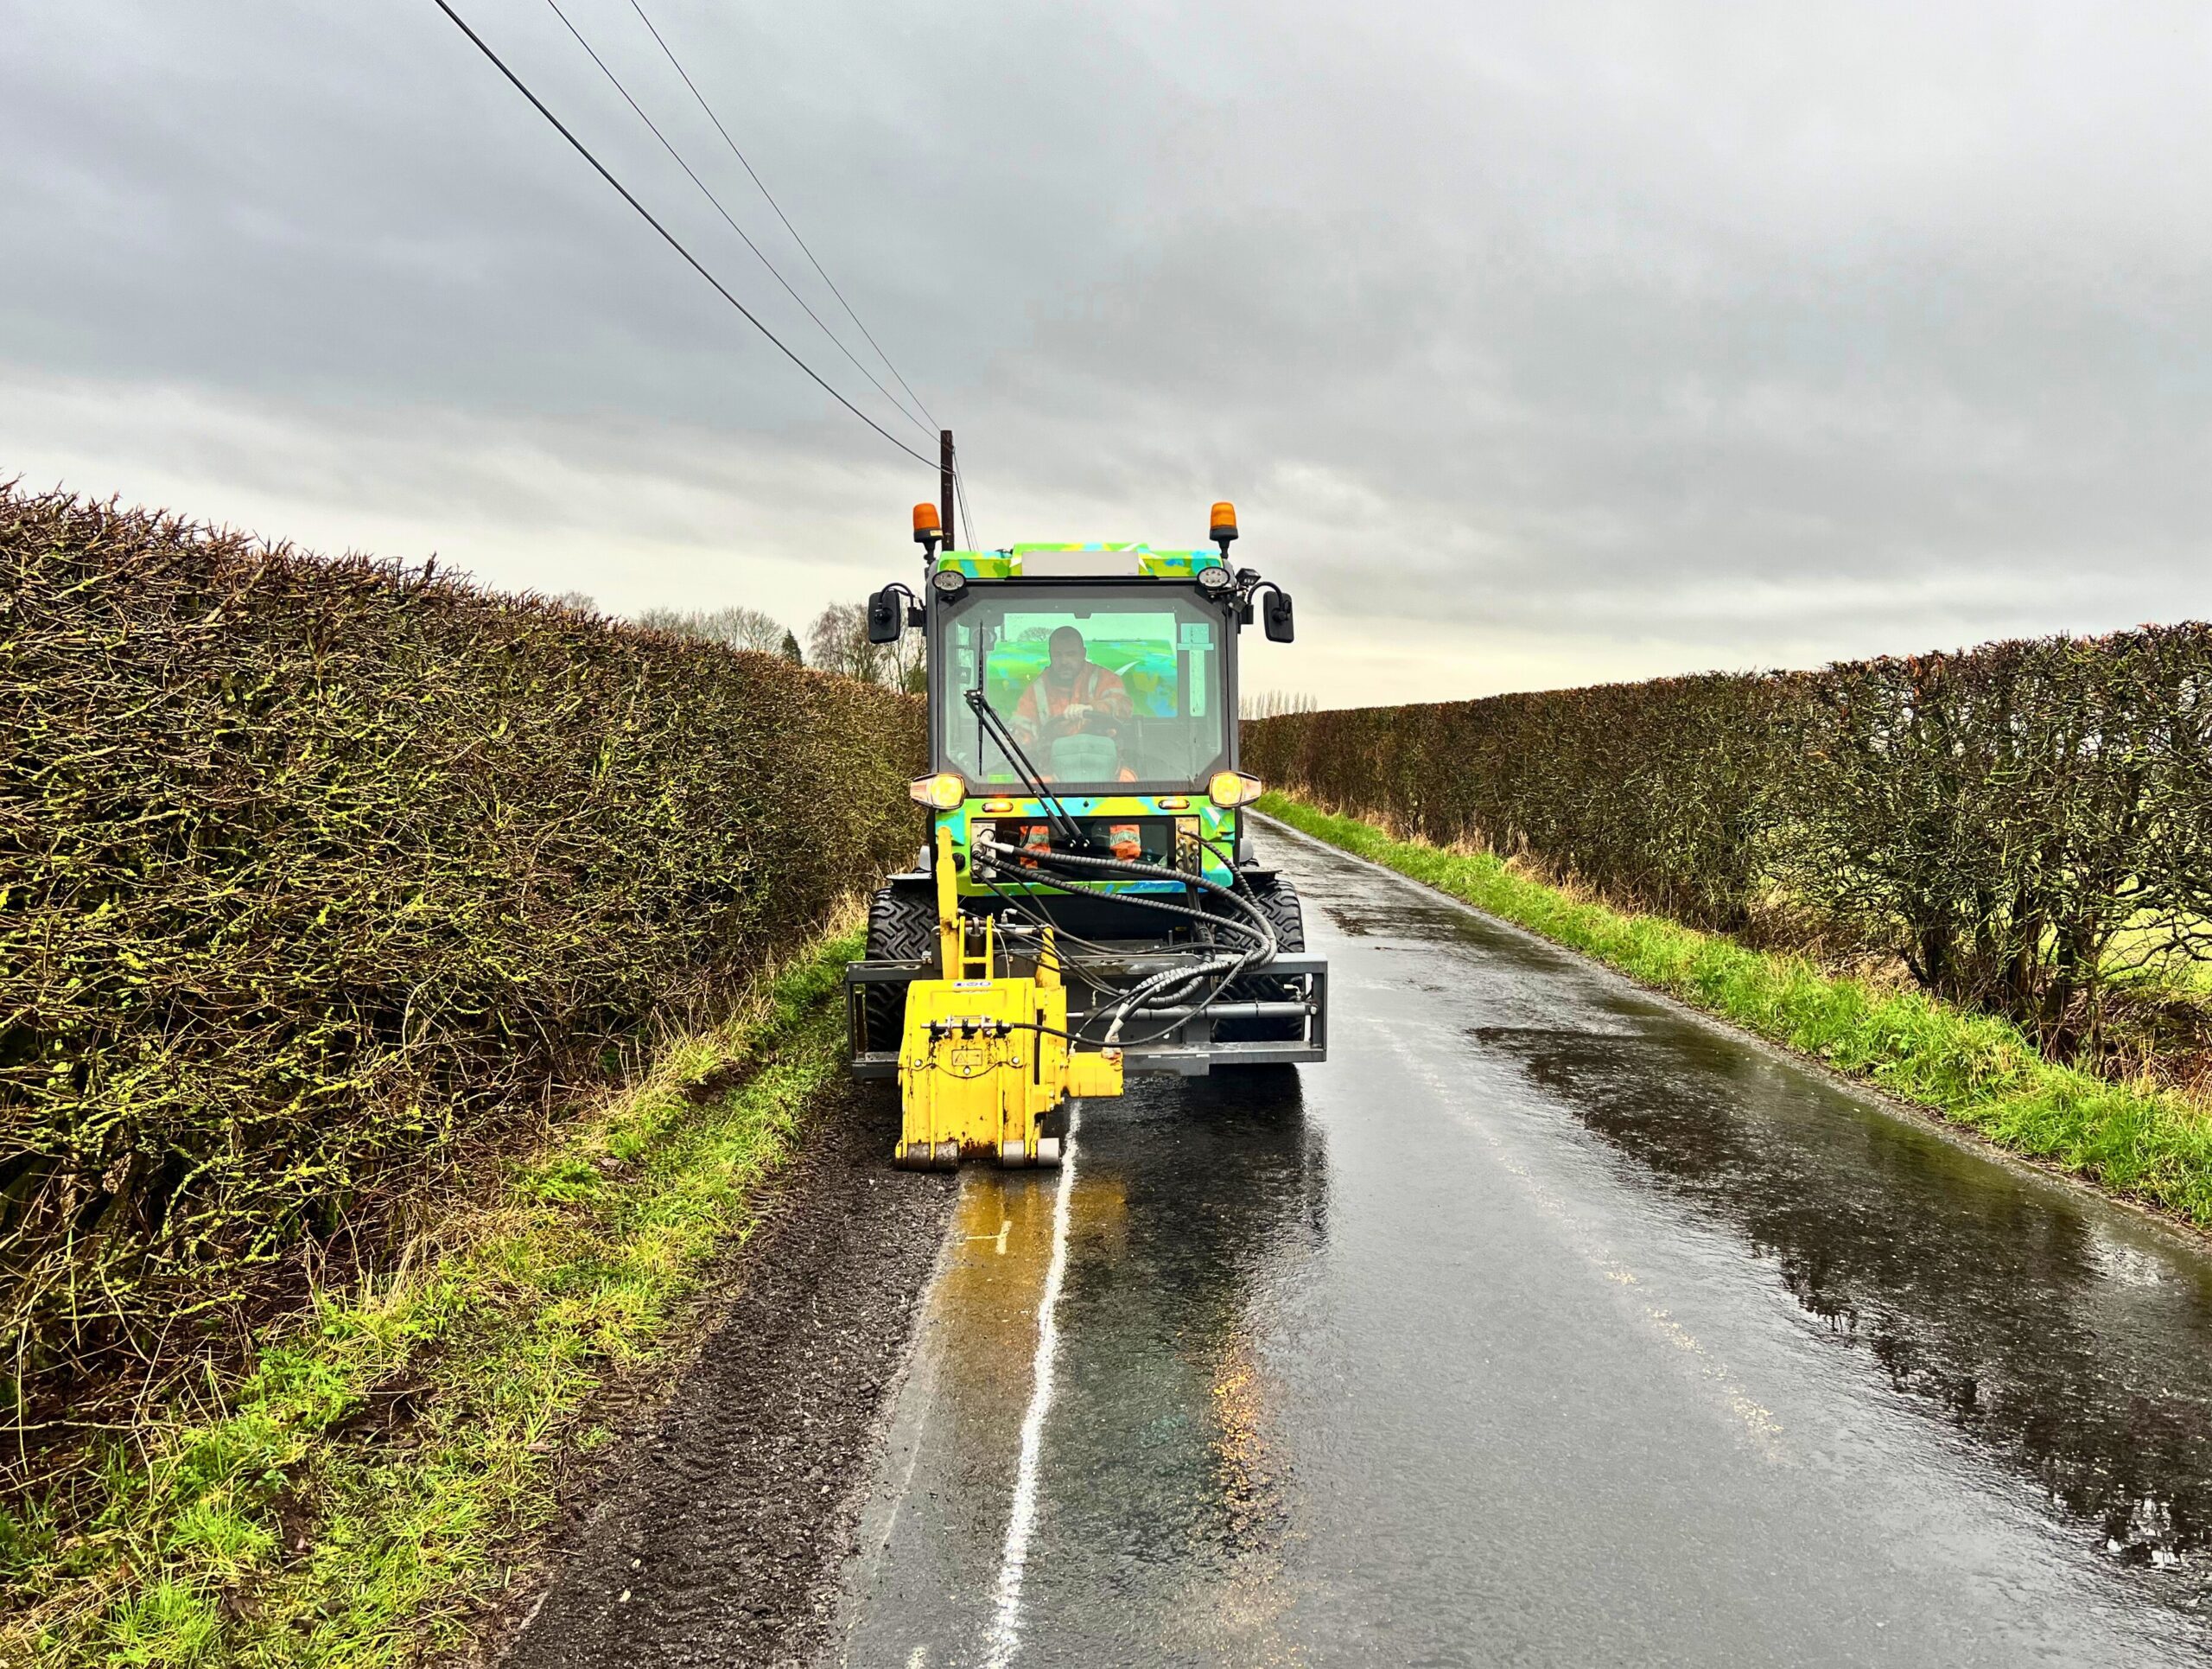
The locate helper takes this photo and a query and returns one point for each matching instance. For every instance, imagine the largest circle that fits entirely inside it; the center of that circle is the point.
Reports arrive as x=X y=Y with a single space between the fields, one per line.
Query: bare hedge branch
x=312 y=872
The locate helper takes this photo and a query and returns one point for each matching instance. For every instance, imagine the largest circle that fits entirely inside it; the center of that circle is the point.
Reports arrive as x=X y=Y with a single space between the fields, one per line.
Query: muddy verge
x=716 y=1531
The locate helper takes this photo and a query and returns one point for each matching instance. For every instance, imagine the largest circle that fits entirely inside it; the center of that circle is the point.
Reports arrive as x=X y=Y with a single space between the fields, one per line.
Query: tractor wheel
x=901 y=927
x=1278 y=902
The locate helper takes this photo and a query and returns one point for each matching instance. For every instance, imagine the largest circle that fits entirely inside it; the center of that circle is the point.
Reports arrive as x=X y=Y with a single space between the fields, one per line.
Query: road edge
x=384 y=1478
x=2002 y=1061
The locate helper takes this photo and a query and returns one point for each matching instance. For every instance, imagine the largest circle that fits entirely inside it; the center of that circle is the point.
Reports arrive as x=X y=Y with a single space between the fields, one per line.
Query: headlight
x=942 y=792
x=1215 y=579
x=949 y=581
x=1234 y=788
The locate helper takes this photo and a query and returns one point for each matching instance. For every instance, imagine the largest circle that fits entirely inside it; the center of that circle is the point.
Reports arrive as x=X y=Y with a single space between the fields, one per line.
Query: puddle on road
x=1162 y=1524
x=2069 y=1338
x=933 y=1534
x=1172 y=1478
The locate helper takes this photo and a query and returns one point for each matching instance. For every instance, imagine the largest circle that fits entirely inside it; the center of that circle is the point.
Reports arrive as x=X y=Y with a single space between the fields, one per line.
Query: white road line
x=1005 y=1636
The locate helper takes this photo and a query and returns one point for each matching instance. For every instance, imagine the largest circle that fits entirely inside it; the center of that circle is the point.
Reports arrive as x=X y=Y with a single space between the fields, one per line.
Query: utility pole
x=944 y=484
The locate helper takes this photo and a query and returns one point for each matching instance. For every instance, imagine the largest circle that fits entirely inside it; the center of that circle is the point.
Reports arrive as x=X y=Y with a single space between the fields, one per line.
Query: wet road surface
x=1545 y=1323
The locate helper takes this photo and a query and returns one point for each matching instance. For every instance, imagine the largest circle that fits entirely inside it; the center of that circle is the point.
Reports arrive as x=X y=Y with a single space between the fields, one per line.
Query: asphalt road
x=1545 y=1324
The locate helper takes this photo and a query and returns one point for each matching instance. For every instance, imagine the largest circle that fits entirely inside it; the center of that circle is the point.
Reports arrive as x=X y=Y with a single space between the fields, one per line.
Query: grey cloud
x=1633 y=335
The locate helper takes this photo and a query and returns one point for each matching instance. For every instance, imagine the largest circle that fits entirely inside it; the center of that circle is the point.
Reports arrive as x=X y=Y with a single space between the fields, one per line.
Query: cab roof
x=1095 y=561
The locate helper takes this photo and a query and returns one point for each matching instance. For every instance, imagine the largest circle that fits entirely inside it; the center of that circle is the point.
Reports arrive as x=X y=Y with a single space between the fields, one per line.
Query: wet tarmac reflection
x=1163 y=1519
x=2069 y=1338
x=1544 y=1323
x=1172 y=1477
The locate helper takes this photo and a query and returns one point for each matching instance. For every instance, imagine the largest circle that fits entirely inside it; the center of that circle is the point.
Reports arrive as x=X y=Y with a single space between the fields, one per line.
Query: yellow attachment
x=1221 y=524
x=981 y=1061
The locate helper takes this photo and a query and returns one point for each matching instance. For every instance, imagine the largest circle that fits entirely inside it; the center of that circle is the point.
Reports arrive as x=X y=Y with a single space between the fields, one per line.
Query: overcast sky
x=1537 y=345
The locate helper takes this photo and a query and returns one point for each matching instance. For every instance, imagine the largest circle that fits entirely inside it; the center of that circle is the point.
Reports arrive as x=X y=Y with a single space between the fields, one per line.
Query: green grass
x=2148 y=1145
x=347 y=1502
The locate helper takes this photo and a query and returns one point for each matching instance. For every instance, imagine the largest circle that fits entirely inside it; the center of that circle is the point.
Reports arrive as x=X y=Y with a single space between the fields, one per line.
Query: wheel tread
x=901 y=927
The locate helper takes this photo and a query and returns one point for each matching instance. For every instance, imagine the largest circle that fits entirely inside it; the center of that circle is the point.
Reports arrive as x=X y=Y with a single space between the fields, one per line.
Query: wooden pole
x=944 y=484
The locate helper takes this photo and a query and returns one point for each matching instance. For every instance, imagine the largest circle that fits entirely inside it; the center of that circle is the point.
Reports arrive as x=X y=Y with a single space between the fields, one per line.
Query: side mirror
x=886 y=620
x=1276 y=611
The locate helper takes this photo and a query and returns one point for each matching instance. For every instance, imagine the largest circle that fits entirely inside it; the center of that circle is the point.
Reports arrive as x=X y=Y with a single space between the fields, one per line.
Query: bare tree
x=905 y=664
x=737 y=626
x=1272 y=704
x=837 y=642
x=583 y=602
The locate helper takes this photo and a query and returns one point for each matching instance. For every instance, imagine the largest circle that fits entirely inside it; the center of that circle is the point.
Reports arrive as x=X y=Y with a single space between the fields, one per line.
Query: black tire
x=901 y=927
x=1278 y=900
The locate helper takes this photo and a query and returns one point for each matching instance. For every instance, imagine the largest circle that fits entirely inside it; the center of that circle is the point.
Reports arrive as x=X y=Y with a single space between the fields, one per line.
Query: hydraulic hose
x=1177 y=980
x=1035 y=862
x=1160 y=872
x=1169 y=983
x=1185 y=978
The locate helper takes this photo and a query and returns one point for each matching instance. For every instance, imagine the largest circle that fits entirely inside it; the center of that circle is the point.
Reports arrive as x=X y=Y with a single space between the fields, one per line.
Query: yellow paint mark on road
x=1006 y=1228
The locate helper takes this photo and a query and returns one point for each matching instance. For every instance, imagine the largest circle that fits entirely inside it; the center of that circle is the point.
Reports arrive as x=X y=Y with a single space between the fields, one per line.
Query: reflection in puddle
x=1172 y=1476
x=2059 y=1333
x=2062 y=1335
x=1165 y=1506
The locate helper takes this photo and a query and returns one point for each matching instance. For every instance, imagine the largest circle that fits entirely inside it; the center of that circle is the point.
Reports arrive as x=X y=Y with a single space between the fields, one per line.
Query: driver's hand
x=1076 y=713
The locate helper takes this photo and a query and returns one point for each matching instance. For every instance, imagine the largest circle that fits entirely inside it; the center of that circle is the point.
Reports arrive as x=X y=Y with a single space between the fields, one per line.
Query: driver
x=1071 y=696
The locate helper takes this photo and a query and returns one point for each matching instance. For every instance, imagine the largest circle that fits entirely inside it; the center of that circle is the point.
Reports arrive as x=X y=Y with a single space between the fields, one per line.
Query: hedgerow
x=2021 y=825
x=317 y=875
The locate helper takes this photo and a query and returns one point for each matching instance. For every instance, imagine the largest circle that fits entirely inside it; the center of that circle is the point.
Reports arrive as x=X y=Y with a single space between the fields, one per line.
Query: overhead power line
x=669 y=146
x=967 y=516
x=670 y=238
x=780 y=215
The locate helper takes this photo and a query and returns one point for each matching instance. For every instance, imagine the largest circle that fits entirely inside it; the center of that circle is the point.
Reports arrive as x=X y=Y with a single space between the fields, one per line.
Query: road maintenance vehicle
x=1088 y=900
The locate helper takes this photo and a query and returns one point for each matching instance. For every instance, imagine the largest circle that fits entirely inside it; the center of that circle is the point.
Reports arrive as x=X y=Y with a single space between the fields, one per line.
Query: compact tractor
x=1087 y=901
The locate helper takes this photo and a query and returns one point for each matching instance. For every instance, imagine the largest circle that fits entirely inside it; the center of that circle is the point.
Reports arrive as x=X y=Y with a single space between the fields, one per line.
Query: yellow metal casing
x=981 y=1059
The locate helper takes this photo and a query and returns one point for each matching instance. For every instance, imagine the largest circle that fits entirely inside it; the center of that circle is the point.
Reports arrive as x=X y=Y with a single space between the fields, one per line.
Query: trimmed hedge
x=1650 y=790
x=2021 y=823
x=314 y=875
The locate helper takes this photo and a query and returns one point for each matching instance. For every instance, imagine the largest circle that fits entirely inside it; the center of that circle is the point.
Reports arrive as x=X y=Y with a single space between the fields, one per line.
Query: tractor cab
x=1088 y=900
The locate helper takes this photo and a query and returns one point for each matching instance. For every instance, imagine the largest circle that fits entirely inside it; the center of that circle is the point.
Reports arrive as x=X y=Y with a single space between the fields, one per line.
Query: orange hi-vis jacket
x=1092 y=686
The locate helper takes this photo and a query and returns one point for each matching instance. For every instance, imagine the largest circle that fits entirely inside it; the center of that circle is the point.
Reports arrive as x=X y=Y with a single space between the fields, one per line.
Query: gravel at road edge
x=717 y=1531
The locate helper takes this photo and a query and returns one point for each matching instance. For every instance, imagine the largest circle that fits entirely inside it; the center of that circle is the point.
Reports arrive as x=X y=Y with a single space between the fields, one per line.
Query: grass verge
x=2148 y=1145
x=347 y=1502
